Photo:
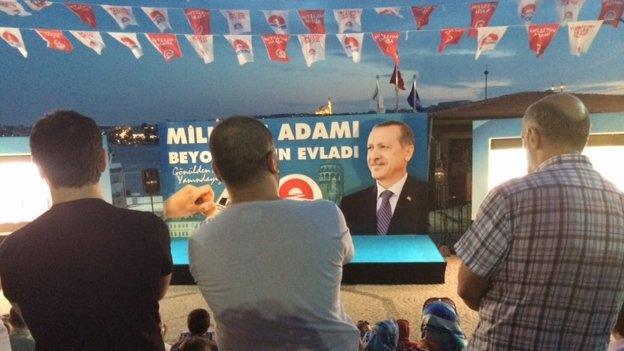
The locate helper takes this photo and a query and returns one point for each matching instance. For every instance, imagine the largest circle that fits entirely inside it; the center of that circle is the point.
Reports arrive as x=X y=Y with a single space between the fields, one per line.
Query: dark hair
x=67 y=146
x=15 y=319
x=239 y=147
x=198 y=321
x=195 y=343
x=407 y=135
x=619 y=324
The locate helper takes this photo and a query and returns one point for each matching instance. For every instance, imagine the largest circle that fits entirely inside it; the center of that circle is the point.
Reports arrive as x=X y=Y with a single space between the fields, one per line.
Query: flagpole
x=396 y=91
x=378 y=92
x=414 y=89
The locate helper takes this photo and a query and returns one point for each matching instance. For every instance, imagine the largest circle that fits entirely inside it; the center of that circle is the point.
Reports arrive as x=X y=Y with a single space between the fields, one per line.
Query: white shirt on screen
x=396 y=192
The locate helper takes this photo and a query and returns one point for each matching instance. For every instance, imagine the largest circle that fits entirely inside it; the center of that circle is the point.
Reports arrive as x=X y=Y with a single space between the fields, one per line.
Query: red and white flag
x=568 y=10
x=277 y=20
x=348 y=20
x=313 y=20
x=159 y=16
x=37 y=5
x=242 y=46
x=313 y=47
x=488 y=38
x=611 y=11
x=85 y=13
x=540 y=36
x=480 y=16
x=388 y=43
x=352 y=45
x=422 y=14
x=203 y=46
x=239 y=21
x=581 y=35
x=129 y=40
x=123 y=15
x=167 y=44
x=526 y=9
x=92 y=40
x=449 y=36
x=389 y=11
x=13 y=37
x=276 y=46
x=13 y=8
x=199 y=20
x=55 y=39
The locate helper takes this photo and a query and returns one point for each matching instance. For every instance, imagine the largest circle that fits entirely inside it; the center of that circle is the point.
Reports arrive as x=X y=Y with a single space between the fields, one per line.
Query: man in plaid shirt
x=543 y=262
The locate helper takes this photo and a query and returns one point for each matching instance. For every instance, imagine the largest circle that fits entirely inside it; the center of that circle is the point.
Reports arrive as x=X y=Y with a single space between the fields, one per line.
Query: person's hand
x=189 y=201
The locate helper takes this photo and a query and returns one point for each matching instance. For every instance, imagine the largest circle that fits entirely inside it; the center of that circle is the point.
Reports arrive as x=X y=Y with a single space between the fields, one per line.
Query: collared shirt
x=396 y=192
x=551 y=245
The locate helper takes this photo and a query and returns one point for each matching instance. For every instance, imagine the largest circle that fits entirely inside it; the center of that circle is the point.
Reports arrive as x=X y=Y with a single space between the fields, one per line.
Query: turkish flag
x=449 y=36
x=55 y=39
x=422 y=14
x=167 y=44
x=314 y=20
x=85 y=12
x=276 y=46
x=388 y=43
x=611 y=11
x=540 y=36
x=480 y=15
x=397 y=79
x=199 y=20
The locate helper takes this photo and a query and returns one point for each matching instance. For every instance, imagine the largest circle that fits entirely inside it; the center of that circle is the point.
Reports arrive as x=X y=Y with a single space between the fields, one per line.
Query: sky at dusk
x=116 y=88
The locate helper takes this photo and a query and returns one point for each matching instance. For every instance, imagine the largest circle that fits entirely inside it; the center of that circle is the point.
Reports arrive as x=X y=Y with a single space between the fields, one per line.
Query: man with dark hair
x=397 y=203
x=85 y=275
x=270 y=269
x=197 y=322
x=542 y=263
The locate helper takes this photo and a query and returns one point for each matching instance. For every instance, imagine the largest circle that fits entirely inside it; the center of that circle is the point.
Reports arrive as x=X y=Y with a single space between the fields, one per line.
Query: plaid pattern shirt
x=552 y=246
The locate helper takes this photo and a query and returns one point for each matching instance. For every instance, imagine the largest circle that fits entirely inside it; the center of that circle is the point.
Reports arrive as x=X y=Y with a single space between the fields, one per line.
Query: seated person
x=198 y=322
x=404 y=333
x=384 y=337
x=440 y=326
x=365 y=330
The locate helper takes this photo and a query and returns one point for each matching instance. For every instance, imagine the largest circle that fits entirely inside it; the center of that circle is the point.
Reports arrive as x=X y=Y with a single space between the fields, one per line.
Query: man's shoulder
x=358 y=195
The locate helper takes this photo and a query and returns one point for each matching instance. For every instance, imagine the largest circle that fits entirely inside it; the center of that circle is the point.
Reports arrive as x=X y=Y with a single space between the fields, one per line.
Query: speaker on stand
x=151 y=183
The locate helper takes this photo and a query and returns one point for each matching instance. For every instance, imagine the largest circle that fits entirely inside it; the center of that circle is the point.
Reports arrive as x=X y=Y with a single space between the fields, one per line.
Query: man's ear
x=103 y=160
x=272 y=162
x=534 y=138
x=409 y=152
x=216 y=171
x=39 y=169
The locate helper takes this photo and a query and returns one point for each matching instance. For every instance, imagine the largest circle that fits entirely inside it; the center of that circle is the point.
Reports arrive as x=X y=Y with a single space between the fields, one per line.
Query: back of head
x=67 y=147
x=198 y=321
x=195 y=343
x=407 y=134
x=385 y=336
x=440 y=326
x=239 y=146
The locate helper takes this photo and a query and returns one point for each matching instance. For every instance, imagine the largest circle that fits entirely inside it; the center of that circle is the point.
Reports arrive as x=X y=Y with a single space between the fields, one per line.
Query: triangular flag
x=92 y=40
x=480 y=16
x=611 y=11
x=130 y=41
x=242 y=46
x=581 y=35
x=123 y=15
x=37 y=5
x=277 y=20
x=159 y=16
x=165 y=43
x=388 y=43
x=55 y=39
x=422 y=14
x=389 y=11
x=313 y=47
x=199 y=20
x=203 y=46
x=13 y=37
x=414 y=100
x=348 y=20
x=352 y=45
x=379 y=108
x=568 y=10
x=84 y=12
x=540 y=36
x=13 y=8
x=449 y=36
x=239 y=21
x=397 y=79
x=488 y=38
x=526 y=9
x=276 y=46
x=313 y=20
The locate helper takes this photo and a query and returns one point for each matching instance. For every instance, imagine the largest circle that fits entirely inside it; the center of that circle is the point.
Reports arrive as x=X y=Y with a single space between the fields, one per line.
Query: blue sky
x=115 y=88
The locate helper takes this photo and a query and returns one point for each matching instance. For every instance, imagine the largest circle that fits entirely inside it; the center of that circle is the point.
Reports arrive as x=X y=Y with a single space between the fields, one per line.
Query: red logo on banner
x=388 y=43
x=85 y=12
x=11 y=39
x=528 y=11
x=351 y=44
x=540 y=36
x=449 y=36
x=480 y=15
x=611 y=11
x=421 y=15
x=240 y=46
x=166 y=44
x=55 y=39
x=299 y=187
x=314 y=20
x=199 y=20
x=276 y=46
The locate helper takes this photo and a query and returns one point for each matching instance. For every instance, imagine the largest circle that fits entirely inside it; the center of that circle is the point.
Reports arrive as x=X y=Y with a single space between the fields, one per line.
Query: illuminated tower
x=330 y=180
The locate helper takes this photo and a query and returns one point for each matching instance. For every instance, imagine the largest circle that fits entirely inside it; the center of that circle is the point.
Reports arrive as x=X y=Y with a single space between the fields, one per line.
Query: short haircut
x=239 y=147
x=407 y=135
x=198 y=321
x=562 y=118
x=67 y=146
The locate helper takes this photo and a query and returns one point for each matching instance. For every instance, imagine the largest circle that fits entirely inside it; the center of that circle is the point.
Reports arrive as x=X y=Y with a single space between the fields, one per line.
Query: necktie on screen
x=384 y=214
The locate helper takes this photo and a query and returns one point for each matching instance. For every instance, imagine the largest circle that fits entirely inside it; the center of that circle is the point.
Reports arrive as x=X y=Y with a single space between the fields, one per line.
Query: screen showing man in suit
x=397 y=203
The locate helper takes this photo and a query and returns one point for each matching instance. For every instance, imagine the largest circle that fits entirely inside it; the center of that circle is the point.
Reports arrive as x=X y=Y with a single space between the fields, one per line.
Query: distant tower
x=331 y=180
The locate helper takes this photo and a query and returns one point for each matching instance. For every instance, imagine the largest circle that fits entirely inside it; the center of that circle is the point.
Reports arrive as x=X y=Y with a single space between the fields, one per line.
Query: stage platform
x=392 y=259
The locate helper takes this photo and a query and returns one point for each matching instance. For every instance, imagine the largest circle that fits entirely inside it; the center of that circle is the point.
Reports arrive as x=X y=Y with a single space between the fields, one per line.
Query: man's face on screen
x=387 y=158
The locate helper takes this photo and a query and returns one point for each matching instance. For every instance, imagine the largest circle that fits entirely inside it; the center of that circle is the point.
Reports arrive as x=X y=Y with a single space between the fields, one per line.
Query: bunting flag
x=13 y=8
x=55 y=39
x=488 y=38
x=611 y=11
x=123 y=15
x=242 y=46
x=348 y=20
x=480 y=16
x=92 y=40
x=159 y=17
x=568 y=10
x=313 y=47
x=276 y=46
x=203 y=45
x=449 y=36
x=313 y=20
x=540 y=36
x=397 y=79
x=277 y=20
x=352 y=45
x=421 y=15
x=84 y=12
x=199 y=20
x=379 y=106
x=581 y=35
x=389 y=11
x=526 y=9
x=414 y=100
x=37 y=5
x=238 y=21
x=13 y=37
x=165 y=43
x=130 y=41
x=388 y=43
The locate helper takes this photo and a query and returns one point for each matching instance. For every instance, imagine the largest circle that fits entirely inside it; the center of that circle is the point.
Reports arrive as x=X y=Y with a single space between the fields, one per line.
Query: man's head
x=67 y=147
x=198 y=321
x=390 y=148
x=555 y=125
